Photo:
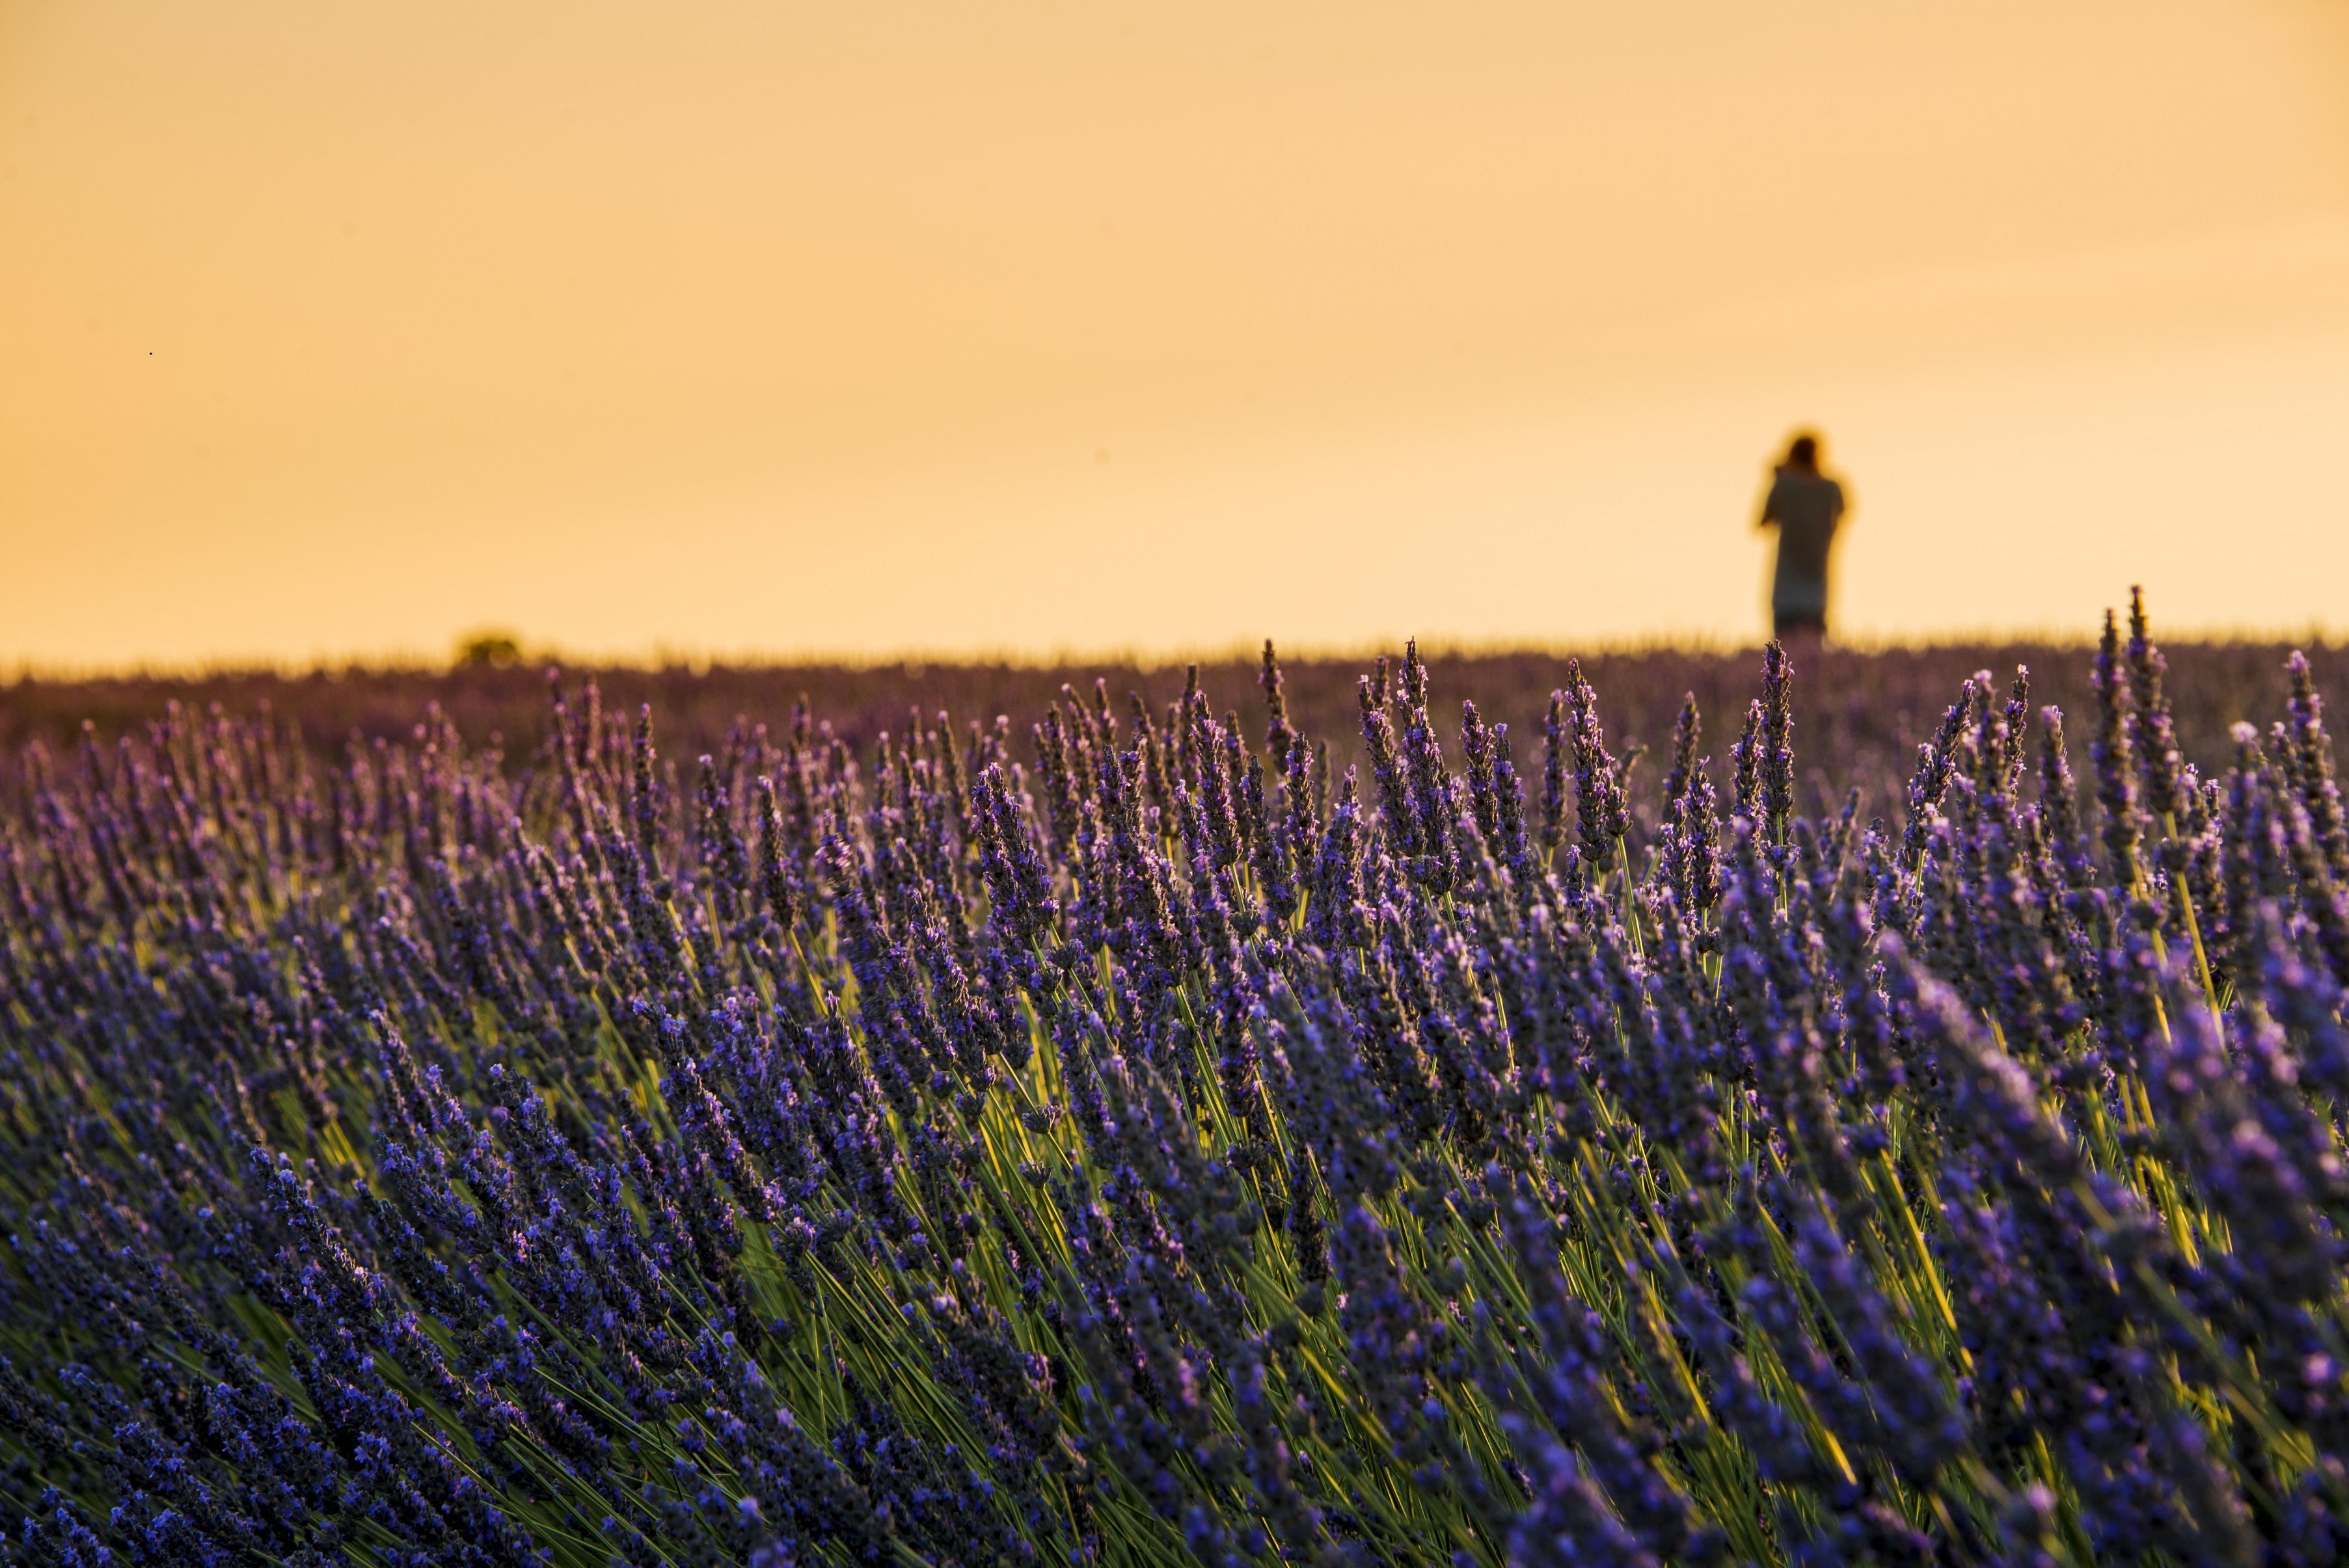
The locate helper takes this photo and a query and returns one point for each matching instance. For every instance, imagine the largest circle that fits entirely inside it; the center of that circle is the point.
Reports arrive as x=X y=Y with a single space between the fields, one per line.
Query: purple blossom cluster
x=1151 y=1135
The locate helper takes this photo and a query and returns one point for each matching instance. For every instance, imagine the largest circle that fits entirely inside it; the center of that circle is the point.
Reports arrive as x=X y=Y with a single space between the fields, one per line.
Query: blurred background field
x=1859 y=715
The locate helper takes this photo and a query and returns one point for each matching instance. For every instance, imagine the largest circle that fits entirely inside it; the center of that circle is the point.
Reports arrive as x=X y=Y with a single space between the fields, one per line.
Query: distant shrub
x=489 y=650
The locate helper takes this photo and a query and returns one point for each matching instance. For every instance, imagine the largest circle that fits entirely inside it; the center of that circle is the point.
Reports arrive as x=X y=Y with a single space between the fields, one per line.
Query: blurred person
x=1804 y=506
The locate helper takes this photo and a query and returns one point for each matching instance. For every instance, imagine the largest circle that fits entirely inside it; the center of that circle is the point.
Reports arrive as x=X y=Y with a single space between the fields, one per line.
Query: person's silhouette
x=1804 y=506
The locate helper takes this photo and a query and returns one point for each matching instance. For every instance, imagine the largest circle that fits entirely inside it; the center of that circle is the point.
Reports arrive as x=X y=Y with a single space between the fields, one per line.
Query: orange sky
x=332 y=330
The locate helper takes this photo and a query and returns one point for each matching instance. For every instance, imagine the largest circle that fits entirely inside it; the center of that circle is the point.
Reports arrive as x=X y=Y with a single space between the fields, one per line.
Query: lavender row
x=1154 y=1136
x=1862 y=713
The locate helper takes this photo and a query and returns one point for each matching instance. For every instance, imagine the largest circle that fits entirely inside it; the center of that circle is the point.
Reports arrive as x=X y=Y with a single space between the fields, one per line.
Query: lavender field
x=1861 y=716
x=1666 y=1110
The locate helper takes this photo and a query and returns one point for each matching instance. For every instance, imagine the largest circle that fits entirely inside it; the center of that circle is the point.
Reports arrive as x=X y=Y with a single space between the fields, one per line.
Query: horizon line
x=663 y=656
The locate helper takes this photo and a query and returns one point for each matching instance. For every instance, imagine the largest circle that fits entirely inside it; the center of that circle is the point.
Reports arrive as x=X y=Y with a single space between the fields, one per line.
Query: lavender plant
x=1137 y=1145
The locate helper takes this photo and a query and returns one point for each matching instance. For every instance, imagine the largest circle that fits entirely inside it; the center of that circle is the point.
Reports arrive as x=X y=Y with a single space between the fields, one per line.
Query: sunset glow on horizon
x=781 y=330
